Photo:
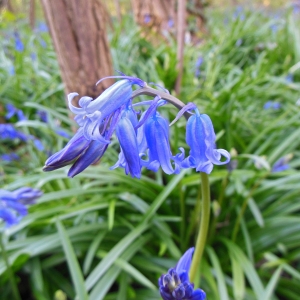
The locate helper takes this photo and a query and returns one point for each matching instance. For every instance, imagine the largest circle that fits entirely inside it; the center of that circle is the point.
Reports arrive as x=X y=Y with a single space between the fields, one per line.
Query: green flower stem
x=9 y=270
x=204 y=224
x=183 y=220
x=216 y=216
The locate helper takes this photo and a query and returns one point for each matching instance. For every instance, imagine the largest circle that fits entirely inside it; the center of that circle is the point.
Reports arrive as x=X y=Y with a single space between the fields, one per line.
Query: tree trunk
x=181 y=21
x=32 y=14
x=78 y=32
x=159 y=15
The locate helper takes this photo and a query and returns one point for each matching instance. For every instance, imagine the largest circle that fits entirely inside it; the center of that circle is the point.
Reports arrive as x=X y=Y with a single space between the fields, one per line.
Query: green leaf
x=74 y=268
x=223 y=294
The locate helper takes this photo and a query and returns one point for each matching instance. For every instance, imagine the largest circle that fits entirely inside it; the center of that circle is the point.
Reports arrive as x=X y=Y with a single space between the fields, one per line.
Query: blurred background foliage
x=108 y=236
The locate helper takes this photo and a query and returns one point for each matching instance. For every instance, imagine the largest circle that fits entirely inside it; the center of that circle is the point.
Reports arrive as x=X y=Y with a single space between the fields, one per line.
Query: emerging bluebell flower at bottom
x=176 y=285
x=13 y=204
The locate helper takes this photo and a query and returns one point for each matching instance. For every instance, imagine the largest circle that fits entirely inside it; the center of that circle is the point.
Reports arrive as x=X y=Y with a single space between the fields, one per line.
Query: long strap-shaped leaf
x=76 y=274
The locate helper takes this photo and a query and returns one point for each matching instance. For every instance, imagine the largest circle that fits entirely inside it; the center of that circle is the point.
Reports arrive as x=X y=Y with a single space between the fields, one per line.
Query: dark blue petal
x=75 y=147
x=179 y=292
x=157 y=136
x=93 y=153
x=198 y=294
x=184 y=276
x=165 y=295
x=128 y=142
x=185 y=261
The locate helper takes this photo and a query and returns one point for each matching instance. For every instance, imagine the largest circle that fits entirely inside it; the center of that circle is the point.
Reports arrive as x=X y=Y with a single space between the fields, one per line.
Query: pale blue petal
x=185 y=261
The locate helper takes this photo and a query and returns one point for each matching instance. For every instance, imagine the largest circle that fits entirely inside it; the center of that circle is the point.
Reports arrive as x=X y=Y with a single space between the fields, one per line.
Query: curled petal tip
x=71 y=96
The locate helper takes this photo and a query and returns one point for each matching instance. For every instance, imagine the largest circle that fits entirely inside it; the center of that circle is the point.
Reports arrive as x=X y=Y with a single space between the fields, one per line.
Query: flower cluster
x=176 y=285
x=13 y=204
x=143 y=137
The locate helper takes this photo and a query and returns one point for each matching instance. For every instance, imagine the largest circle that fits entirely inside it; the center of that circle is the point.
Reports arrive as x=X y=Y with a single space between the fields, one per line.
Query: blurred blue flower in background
x=282 y=164
x=176 y=285
x=272 y=105
x=43 y=115
x=239 y=42
x=11 y=70
x=19 y=46
x=9 y=157
x=198 y=64
x=147 y=18
x=289 y=78
x=13 y=204
x=170 y=22
x=37 y=143
x=239 y=14
x=12 y=111
x=33 y=56
x=42 y=27
x=8 y=131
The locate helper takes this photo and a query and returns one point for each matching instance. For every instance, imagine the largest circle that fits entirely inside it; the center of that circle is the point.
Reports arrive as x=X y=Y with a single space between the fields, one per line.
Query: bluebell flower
x=282 y=164
x=42 y=27
x=38 y=144
x=170 y=22
x=43 y=115
x=129 y=157
x=9 y=157
x=289 y=78
x=18 y=43
x=198 y=65
x=97 y=119
x=157 y=137
x=11 y=70
x=274 y=28
x=147 y=18
x=176 y=285
x=62 y=133
x=239 y=13
x=272 y=105
x=13 y=204
x=144 y=142
x=239 y=42
x=33 y=56
x=12 y=111
x=200 y=137
x=8 y=131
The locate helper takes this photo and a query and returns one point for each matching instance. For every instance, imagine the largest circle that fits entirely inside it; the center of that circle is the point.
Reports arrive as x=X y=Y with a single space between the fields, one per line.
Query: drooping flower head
x=13 y=205
x=176 y=285
x=144 y=138
x=201 y=138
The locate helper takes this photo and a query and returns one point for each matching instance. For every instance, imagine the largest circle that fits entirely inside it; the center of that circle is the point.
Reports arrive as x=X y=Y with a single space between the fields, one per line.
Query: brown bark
x=181 y=21
x=196 y=9
x=79 y=36
x=32 y=13
x=155 y=14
